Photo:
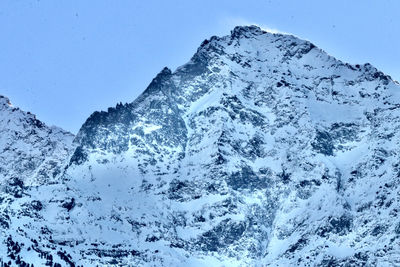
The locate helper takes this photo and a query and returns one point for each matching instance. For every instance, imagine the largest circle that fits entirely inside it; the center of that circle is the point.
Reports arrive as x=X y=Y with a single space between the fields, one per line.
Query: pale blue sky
x=64 y=59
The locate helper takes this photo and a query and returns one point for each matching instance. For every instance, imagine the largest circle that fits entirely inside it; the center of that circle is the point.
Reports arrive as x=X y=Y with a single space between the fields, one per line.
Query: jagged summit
x=247 y=31
x=261 y=150
x=269 y=51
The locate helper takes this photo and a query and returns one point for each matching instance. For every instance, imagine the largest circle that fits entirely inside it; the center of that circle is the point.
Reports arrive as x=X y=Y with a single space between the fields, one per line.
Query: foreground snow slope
x=261 y=150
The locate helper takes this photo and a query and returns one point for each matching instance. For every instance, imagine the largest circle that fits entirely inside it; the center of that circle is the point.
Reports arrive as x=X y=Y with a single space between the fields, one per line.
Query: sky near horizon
x=63 y=60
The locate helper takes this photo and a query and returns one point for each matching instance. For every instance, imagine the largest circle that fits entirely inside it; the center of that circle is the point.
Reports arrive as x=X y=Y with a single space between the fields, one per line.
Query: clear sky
x=64 y=59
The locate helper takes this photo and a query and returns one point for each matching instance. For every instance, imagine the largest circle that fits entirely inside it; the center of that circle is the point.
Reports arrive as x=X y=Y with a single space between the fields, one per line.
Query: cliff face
x=261 y=150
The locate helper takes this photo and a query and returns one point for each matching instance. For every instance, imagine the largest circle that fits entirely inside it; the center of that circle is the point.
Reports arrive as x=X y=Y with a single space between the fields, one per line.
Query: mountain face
x=32 y=155
x=262 y=150
x=31 y=152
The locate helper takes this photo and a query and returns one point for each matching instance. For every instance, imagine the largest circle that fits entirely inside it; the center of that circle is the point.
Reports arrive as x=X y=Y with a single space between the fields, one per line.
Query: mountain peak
x=246 y=31
x=5 y=101
x=165 y=71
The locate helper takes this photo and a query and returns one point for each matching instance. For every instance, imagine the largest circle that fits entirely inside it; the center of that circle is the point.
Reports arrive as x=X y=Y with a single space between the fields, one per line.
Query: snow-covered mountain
x=262 y=150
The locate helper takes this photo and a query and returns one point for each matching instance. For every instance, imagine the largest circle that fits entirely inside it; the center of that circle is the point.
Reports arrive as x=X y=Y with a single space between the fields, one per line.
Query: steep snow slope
x=261 y=150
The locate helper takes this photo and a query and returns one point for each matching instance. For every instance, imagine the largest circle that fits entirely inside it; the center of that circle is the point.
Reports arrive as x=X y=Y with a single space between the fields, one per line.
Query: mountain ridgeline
x=262 y=150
